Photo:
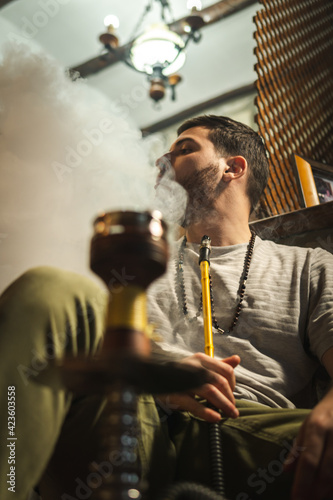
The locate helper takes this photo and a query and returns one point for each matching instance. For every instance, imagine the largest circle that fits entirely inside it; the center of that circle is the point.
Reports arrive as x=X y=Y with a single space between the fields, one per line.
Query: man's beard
x=203 y=188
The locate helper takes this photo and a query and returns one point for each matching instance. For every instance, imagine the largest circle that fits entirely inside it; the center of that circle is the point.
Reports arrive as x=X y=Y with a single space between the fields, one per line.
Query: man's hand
x=218 y=392
x=312 y=455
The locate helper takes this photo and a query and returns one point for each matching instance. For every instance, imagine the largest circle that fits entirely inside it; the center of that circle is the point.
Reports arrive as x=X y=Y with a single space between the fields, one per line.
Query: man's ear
x=237 y=167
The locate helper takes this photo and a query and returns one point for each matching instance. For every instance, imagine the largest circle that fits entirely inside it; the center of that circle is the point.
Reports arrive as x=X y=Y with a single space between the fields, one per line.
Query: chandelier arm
x=122 y=58
x=189 y=37
x=179 y=49
x=164 y=6
x=143 y=15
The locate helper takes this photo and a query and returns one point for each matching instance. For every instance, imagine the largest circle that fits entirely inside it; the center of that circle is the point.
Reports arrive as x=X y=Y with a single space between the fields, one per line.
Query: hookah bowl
x=131 y=246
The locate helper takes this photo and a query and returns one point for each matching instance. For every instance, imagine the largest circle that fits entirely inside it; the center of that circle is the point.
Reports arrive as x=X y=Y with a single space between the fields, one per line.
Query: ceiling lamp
x=159 y=51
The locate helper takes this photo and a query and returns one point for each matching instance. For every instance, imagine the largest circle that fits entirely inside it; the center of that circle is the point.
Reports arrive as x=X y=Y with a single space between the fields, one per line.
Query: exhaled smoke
x=65 y=156
x=171 y=198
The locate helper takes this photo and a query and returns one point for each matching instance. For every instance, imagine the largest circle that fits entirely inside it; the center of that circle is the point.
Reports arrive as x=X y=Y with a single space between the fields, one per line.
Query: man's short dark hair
x=232 y=138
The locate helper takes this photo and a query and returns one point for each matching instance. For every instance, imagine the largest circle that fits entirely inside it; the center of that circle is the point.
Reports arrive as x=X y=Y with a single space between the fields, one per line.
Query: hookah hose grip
x=204 y=255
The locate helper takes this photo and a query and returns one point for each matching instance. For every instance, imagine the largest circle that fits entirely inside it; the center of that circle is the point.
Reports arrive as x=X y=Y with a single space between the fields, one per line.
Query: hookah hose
x=215 y=437
x=192 y=491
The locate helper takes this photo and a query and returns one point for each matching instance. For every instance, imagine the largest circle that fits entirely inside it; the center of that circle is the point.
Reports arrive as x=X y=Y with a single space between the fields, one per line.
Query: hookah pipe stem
x=204 y=255
x=214 y=429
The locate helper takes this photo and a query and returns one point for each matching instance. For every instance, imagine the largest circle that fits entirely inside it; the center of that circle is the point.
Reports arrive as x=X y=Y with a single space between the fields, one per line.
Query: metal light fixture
x=159 y=52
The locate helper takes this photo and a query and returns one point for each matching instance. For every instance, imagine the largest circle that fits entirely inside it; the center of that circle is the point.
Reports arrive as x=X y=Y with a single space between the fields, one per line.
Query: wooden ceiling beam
x=4 y=2
x=199 y=108
x=215 y=13
x=211 y=14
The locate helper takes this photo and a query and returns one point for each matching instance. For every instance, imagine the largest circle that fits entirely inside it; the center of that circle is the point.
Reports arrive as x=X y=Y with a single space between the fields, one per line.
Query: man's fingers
x=232 y=360
x=223 y=386
x=311 y=448
x=217 y=366
x=290 y=462
x=216 y=398
x=218 y=391
x=189 y=403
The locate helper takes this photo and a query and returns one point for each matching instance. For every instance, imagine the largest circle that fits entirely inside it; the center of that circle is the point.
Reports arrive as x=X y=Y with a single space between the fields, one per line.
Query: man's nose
x=164 y=162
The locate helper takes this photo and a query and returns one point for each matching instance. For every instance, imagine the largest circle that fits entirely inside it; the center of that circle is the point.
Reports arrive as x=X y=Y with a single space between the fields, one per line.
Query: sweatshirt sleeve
x=320 y=314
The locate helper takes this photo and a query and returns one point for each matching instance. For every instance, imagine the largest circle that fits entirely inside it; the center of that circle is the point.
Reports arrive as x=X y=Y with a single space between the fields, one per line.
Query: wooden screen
x=294 y=50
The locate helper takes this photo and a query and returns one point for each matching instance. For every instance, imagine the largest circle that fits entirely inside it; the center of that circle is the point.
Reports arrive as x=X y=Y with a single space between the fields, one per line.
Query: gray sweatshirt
x=285 y=326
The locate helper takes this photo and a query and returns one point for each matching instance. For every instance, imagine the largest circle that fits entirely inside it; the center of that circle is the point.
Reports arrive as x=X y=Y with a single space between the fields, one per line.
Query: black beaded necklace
x=181 y=292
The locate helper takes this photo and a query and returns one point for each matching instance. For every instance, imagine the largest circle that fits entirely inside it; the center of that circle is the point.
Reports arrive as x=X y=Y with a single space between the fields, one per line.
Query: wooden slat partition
x=294 y=91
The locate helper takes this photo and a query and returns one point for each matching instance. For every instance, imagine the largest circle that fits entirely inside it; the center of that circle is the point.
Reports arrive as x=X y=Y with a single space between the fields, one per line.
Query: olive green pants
x=48 y=436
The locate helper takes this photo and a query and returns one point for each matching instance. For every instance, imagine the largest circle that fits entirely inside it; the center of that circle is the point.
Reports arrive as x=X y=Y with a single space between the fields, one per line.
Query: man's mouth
x=164 y=167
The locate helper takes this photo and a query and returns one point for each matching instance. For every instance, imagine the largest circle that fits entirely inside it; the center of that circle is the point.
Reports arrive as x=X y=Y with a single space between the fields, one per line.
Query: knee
x=30 y=286
x=40 y=283
x=44 y=289
x=50 y=303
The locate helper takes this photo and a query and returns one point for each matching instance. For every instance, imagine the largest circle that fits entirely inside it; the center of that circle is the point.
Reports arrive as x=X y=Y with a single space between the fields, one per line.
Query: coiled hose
x=193 y=491
x=216 y=459
x=190 y=491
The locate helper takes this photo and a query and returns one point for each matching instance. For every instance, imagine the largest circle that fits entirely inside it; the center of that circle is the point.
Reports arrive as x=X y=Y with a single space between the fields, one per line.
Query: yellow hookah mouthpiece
x=205 y=247
x=204 y=255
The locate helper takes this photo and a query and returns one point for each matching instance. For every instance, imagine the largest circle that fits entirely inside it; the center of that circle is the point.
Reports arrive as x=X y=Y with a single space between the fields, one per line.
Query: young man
x=272 y=316
x=274 y=305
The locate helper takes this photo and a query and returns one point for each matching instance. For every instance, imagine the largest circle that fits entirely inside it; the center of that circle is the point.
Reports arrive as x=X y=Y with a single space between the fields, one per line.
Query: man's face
x=191 y=153
x=198 y=168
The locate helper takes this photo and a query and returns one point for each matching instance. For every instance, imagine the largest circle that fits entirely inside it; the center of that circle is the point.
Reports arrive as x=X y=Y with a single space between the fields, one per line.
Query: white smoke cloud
x=65 y=156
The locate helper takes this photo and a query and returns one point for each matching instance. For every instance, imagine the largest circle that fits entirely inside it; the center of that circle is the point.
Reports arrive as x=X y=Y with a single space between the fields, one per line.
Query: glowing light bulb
x=158 y=46
x=194 y=4
x=111 y=20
